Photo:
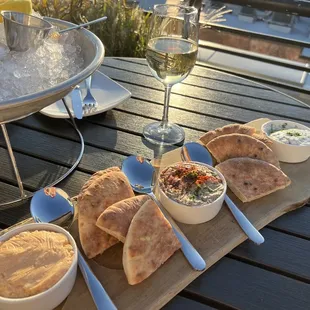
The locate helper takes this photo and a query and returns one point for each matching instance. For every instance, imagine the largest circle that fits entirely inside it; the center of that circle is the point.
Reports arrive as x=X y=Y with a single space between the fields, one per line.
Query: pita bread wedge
x=238 y=145
x=250 y=179
x=262 y=138
x=149 y=243
x=116 y=219
x=104 y=191
x=226 y=130
x=96 y=175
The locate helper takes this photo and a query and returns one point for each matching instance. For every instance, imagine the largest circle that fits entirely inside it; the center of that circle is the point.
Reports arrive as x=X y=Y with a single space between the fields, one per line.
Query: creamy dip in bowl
x=292 y=136
x=192 y=192
x=38 y=265
x=290 y=140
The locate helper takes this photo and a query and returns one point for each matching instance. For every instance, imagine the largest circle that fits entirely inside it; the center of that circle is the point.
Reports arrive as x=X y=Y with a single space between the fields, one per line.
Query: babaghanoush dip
x=191 y=184
x=32 y=262
x=293 y=136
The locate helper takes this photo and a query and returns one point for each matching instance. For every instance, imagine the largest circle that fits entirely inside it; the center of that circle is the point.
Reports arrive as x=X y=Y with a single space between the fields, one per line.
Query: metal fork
x=89 y=101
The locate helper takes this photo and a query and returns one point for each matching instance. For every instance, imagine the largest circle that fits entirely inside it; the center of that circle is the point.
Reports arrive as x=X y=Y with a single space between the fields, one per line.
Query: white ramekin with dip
x=191 y=192
x=38 y=267
x=290 y=140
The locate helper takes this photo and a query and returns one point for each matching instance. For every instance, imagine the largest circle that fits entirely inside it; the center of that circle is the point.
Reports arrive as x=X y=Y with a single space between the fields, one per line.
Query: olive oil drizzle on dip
x=191 y=184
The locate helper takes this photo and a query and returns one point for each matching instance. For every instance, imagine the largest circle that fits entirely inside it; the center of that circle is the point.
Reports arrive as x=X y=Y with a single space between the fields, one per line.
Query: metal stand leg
x=13 y=161
x=17 y=175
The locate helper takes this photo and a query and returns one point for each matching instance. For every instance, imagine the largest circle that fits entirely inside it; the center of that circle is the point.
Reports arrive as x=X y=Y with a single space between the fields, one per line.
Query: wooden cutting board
x=213 y=240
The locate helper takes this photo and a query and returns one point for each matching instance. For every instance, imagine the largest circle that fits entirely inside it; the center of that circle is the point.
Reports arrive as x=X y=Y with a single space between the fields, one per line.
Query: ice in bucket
x=36 y=69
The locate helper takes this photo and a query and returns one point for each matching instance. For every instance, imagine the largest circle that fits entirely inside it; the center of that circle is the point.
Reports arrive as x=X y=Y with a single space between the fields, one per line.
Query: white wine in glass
x=171 y=55
x=171 y=59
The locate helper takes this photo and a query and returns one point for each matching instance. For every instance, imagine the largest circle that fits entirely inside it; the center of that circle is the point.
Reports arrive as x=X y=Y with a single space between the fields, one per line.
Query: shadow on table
x=159 y=150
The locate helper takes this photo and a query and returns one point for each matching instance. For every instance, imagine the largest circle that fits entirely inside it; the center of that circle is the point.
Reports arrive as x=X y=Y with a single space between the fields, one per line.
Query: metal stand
x=24 y=196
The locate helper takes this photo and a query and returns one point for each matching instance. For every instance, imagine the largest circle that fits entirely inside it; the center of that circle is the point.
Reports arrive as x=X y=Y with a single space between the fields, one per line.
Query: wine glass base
x=168 y=135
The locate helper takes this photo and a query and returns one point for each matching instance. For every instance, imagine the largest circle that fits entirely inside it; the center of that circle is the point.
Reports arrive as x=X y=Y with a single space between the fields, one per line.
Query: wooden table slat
x=295 y=222
x=51 y=148
x=37 y=172
x=96 y=136
x=150 y=89
x=206 y=82
x=281 y=252
x=243 y=286
x=182 y=303
x=200 y=71
x=189 y=121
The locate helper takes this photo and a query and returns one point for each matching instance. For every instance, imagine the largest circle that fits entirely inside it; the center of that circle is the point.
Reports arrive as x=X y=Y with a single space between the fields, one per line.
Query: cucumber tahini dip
x=292 y=136
x=191 y=184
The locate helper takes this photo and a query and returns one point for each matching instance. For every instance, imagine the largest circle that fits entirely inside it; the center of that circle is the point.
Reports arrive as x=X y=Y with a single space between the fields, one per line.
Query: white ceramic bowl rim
x=298 y=126
x=202 y=205
x=44 y=226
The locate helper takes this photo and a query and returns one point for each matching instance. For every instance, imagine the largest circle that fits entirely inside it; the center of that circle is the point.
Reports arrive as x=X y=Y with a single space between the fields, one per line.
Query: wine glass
x=171 y=55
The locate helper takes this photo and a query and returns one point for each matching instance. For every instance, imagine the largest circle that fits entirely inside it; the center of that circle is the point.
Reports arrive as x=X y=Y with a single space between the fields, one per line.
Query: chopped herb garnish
x=293 y=134
x=197 y=190
x=191 y=176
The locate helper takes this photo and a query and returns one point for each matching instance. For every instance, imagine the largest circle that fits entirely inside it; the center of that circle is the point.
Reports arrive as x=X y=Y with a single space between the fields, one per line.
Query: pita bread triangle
x=96 y=175
x=262 y=138
x=105 y=190
x=116 y=219
x=238 y=145
x=250 y=179
x=226 y=130
x=149 y=243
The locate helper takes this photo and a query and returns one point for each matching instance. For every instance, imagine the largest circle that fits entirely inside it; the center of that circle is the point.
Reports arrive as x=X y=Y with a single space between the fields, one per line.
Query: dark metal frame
x=24 y=196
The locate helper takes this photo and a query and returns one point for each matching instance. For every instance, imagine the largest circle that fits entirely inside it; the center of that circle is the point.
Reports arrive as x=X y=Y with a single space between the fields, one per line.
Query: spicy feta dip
x=293 y=136
x=191 y=184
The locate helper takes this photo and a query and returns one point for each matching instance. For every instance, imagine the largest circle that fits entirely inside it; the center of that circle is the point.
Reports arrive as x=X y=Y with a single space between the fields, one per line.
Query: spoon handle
x=191 y=254
x=244 y=223
x=100 y=296
x=101 y=19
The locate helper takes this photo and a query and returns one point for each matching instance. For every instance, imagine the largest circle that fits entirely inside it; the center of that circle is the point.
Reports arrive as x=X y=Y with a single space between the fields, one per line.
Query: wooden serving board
x=213 y=240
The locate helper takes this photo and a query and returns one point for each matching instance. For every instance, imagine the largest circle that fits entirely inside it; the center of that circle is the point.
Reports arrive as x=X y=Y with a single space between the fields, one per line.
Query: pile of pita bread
x=248 y=164
x=109 y=212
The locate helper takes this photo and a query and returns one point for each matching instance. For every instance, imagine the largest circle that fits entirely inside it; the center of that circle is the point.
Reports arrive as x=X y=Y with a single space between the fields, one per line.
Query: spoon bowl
x=140 y=173
x=193 y=151
x=52 y=205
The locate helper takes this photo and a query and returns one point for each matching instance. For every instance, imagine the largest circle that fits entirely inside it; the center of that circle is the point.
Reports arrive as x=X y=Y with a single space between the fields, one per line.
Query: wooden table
x=275 y=275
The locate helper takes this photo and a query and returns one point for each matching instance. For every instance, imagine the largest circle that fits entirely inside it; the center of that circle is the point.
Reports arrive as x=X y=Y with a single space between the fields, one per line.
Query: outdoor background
x=277 y=28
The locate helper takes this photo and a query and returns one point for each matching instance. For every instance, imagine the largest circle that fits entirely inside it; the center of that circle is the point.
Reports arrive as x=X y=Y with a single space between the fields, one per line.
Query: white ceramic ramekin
x=52 y=297
x=286 y=152
x=196 y=214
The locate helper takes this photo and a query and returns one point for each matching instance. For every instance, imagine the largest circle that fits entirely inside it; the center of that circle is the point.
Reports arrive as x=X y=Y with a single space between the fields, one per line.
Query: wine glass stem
x=164 y=120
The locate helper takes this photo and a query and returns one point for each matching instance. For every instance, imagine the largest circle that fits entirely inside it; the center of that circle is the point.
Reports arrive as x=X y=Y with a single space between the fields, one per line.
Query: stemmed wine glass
x=171 y=55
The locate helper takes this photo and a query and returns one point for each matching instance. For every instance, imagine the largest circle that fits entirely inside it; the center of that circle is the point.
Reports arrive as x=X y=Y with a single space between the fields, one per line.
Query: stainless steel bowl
x=24 y=31
x=93 y=54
